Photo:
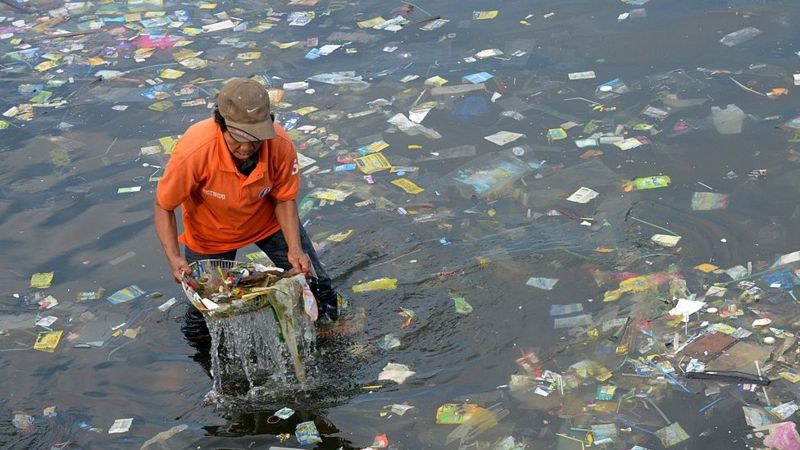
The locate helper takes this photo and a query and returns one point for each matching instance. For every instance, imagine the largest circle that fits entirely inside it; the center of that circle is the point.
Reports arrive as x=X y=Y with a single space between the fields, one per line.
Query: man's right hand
x=179 y=268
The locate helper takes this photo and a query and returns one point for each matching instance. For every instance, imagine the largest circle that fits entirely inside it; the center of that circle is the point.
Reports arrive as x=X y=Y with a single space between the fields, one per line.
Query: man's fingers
x=180 y=270
x=305 y=263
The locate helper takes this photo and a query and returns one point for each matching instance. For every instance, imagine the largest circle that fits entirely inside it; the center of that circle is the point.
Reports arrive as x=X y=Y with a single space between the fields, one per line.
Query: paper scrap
x=488 y=53
x=400 y=409
x=503 y=137
x=542 y=283
x=127 y=294
x=120 y=426
x=629 y=143
x=686 y=308
x=672 y=434
x=588 y=75
x=583 y=195
x=46 y=322
x=665 y=240
x=167 y=304
x=284 y=413
x=784 y=410
x=48 y=302
x=708 y=201
x=398 y=373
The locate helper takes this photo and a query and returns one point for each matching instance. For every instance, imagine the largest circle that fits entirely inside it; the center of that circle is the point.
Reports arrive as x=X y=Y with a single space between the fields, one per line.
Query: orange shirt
x=222 y=209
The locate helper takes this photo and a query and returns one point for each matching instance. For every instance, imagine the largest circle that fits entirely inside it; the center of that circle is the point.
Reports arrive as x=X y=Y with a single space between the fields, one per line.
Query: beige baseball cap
x=244 y=104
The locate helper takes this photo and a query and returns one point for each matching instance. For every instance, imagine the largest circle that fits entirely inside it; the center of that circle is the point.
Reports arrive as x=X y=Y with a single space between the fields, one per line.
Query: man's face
x=241 y=145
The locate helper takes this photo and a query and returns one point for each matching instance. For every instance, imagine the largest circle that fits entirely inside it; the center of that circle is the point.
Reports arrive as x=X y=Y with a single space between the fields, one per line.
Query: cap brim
x=261 y=130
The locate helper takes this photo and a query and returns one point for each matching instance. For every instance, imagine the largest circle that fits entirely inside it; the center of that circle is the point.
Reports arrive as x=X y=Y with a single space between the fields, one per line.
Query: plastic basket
x=237 y=306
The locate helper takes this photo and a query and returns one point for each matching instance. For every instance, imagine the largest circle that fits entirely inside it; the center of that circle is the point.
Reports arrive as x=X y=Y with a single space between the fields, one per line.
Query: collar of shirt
x=249 y=164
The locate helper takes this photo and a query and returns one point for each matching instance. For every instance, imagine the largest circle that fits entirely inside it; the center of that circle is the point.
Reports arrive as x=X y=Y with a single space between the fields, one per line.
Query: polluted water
x=557 y=224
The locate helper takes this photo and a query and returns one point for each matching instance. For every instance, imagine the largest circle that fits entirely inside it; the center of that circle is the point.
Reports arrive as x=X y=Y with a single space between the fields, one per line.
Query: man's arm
x=286 y=213
x=167 y=231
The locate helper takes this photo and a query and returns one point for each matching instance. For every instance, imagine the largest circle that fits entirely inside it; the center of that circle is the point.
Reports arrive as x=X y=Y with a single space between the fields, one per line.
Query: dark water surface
x=65 y=216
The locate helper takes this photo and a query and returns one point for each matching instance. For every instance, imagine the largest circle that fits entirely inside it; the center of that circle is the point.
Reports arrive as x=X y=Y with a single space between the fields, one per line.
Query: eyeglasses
x=241 y=135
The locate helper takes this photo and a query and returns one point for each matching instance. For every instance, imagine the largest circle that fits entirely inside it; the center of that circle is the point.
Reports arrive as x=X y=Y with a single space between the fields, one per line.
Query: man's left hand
x=299 y=261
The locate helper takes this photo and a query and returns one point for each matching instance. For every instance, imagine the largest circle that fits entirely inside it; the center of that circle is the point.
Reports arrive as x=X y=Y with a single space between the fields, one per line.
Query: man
x=235 y=177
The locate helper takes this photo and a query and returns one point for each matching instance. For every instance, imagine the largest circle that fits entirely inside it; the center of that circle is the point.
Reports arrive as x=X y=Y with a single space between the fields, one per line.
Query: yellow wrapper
x=435 y=81
x=706 y=267
x=374 y=162
x=484 y=15
x=370 y=23
x=407 y=185
x=171 y=74
x=284 y=45
x=45 y=66
x=161 y=106
x=339 y=237
x=306 y=110
x=184 y=53
x=376 y=146
x=167 y=143
x=248 y=56
x=41 y=280
x=48 y=341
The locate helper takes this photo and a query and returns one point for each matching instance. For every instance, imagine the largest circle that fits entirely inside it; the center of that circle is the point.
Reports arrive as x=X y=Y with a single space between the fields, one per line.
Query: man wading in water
x=236 y=178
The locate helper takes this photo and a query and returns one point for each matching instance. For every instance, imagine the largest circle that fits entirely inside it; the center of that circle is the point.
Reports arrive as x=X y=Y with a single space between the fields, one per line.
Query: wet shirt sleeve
x=286 y=175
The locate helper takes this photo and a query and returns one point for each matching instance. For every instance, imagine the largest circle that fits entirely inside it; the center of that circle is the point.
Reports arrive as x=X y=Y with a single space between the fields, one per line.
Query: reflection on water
x=478 y=231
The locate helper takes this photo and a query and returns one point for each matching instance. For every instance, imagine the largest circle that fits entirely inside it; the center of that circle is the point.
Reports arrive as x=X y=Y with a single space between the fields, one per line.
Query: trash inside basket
x=221 y=288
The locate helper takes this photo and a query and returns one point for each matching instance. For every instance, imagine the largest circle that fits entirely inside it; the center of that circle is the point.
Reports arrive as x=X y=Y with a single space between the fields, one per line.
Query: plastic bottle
x=737 y=37
x=654 y=182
